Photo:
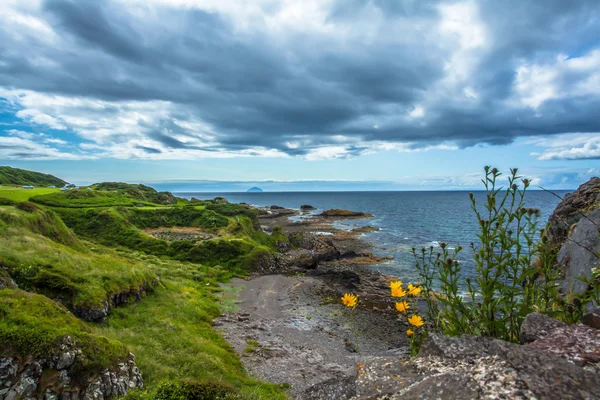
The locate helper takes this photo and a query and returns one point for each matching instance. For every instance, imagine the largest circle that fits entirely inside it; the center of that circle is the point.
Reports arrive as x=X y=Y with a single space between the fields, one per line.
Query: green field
x=17 y=194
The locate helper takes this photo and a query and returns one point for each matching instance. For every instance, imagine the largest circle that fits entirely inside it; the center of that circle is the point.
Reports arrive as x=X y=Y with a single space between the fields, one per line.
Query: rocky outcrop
x=537 y=326
x=470 y=367
x=57 y=377
x=365 y=229
x=559 y=362
x=570 y=210
x=580 y=255
x=320 y=248
x=6 y=281
x=337 y=213
x=98 y=313
x=307 y=207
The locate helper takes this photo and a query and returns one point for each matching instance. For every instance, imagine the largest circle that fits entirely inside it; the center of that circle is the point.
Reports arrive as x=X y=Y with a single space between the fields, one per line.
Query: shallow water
x=406 y=219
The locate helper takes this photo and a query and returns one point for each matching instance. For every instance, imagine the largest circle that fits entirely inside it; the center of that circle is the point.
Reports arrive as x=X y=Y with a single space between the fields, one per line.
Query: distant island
x=254 y=189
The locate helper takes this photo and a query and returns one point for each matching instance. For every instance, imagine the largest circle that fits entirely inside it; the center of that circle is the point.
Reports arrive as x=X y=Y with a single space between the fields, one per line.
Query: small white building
x=27 y=187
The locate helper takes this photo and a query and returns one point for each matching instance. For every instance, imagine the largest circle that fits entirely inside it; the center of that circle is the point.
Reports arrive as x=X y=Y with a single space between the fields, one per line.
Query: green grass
x=18 y=194
x=83 y=198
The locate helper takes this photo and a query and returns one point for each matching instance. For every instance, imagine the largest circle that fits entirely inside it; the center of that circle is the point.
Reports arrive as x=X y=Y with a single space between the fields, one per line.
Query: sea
x=406 y=219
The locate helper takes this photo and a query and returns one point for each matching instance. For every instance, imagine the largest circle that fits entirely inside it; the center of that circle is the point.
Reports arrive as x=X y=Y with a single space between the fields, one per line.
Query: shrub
x=191 y=390
x=27 y=207
x=506 y=286
x=6 y=202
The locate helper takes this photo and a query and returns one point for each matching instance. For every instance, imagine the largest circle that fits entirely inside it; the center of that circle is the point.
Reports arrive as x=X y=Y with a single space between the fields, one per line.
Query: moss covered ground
x=80 y=247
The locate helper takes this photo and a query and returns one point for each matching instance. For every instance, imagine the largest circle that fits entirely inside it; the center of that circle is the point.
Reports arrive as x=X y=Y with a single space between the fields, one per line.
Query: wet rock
x=307 y=207
x=537 y=326
x=364 y=229
x=337 y=213
x=274 y=207
x=592 y=318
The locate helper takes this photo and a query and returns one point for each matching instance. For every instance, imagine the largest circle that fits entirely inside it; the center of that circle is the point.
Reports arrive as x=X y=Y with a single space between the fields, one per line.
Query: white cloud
x=537 y=83
x=569 y=147
x=18 y=148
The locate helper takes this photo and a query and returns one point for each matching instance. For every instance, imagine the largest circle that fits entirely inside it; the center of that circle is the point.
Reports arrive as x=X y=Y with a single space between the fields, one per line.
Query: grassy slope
x=170 y=329
x=42 y=255
x=18 y=194
x=16 y=176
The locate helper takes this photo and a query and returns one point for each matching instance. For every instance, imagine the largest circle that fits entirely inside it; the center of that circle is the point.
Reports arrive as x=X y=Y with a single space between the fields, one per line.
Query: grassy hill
x=87 y=266
x=16 y=176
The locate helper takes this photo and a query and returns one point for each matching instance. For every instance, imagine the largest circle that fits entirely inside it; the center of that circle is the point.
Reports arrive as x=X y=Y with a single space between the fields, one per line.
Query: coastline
x=288 y=324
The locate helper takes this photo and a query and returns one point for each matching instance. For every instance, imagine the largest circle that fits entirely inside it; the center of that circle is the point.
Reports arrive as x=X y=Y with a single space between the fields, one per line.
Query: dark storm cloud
x=262 y=88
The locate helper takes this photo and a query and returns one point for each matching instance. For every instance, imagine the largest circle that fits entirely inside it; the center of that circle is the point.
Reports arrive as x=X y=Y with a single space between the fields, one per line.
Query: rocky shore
x=289 y=326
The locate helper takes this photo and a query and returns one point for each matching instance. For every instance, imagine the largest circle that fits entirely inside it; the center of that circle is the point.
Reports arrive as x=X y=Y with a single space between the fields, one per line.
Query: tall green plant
x=513 y=272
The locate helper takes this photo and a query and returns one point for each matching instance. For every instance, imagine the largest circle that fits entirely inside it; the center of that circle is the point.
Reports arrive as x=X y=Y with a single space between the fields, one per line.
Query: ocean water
x=406 y=219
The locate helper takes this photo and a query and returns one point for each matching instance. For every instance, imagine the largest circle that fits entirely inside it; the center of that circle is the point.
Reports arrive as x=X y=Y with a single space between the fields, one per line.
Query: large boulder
x=570 y=210
x=470 y=367
x=580 y=255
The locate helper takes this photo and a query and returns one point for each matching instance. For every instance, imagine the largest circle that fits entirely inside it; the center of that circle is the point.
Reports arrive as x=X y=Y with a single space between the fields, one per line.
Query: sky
x=347 y=94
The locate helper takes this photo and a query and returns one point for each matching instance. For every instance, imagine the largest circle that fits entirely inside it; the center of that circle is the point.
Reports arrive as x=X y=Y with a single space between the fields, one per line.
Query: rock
x=6 y=281
x=277 y=208
x=65 y=360
x=592 y=318
x=578 y=344
x=335 y=212
x=537 y=326
x=364 y=229
x=389 y=257
x=28 y=378
x=470 y=367
x=580 y=254
x=307 y=207
x=304 y=259
x=220 y=200
x=569 y=211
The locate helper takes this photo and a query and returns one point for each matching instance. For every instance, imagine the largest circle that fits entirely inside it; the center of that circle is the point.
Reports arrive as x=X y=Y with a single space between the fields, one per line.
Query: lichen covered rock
x=470 y=367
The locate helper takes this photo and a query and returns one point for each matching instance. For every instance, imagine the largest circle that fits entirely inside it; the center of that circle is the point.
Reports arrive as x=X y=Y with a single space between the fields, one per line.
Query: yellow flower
x=402 y=306
x=398 y=292
x=409 y=332
x=350 y=300
x=416 y=321
x=414 y=290
x=395 y=285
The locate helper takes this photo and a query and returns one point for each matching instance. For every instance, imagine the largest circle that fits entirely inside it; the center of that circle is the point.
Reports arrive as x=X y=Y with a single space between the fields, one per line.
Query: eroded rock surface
x=470 y=367
x=570 y=210
x=58 y=377
x=580 y=254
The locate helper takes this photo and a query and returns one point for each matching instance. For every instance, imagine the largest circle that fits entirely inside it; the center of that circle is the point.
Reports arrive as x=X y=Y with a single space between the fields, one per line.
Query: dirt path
x=290 y=330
